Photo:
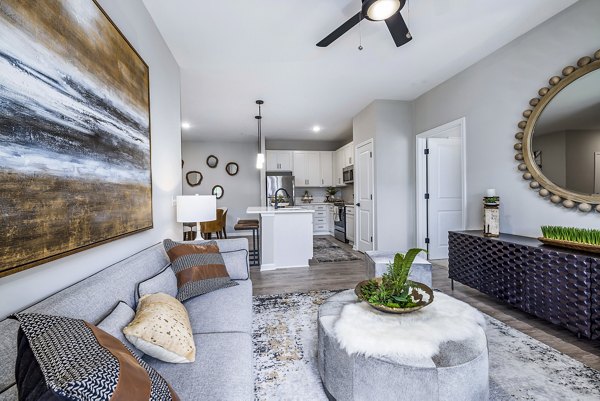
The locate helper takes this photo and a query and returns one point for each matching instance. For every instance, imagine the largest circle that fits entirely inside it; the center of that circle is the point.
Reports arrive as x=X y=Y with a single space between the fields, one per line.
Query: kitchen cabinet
x=326 y=165
x=322 y=218
x=348 y=155
x=338 y=160
x=307 y=168
x=279 y=160
x=343 y=157
x=350 y=223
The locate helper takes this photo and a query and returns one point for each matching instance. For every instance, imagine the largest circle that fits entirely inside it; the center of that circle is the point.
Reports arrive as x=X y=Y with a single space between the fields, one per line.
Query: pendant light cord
x=259 y=118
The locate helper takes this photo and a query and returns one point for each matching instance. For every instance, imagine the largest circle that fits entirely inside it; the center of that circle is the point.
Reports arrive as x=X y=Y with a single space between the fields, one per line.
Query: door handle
x=358 y=204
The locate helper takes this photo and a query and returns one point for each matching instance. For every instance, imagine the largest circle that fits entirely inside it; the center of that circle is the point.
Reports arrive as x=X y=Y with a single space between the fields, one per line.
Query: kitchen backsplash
x=346 y=193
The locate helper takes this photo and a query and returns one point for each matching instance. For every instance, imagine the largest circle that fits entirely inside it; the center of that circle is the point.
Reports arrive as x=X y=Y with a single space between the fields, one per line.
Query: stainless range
x=339 y=222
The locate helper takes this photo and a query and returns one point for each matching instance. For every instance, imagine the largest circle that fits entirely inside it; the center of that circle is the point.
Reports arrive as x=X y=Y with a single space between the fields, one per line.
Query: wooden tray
x=570 y=245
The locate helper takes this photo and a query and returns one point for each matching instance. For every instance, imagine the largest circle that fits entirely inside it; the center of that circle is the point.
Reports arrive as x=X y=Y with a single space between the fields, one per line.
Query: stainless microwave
x=348 y=174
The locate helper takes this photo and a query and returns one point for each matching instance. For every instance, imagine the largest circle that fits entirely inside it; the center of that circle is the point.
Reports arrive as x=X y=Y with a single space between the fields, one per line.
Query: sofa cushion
x=64 y=358
x=163 y=281
x=199 y=268
x=161 y=328
x=222 y=370
x=116 y=321
x=229 y=309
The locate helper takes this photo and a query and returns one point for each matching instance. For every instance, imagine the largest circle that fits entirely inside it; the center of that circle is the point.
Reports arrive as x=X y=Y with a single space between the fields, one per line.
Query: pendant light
x=260 y=156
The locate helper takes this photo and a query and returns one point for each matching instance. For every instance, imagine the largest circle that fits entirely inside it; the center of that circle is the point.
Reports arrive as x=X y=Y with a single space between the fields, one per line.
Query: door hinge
x=371 y=239
x=426 y=196
x=371 y=196
x=371 y=155
x=426 y=151
x=427 y=240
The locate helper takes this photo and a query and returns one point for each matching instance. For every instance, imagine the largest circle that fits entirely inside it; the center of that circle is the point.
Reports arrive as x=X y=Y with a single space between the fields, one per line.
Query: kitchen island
x=286 y=236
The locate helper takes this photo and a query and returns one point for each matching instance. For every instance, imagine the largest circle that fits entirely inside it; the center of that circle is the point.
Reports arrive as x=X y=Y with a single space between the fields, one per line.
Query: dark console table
x=554 y=284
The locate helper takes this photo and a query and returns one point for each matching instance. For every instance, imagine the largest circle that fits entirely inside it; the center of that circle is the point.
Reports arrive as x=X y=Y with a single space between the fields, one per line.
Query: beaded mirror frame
x=525 y=157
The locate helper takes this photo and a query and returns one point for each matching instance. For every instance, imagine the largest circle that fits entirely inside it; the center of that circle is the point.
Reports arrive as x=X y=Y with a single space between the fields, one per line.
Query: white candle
x=490 y=193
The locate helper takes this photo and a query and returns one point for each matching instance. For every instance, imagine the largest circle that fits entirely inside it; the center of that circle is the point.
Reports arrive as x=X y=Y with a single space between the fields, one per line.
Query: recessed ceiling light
x=316 y=128
x=186 y=125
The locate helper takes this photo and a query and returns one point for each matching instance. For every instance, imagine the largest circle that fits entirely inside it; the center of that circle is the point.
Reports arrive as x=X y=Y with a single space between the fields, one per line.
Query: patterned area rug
x=326 y=250
x=521 y=368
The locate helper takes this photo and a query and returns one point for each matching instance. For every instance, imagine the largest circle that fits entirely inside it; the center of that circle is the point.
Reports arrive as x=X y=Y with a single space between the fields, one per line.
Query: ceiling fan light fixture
x=379 y=10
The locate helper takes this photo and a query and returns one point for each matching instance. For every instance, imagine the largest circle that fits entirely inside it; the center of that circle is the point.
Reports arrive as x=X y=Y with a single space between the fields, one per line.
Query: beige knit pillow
x=161 y=328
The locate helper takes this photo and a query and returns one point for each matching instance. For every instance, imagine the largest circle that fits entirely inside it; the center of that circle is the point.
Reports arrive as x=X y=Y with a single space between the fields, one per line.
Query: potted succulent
x=394 y=293
x=331 y=191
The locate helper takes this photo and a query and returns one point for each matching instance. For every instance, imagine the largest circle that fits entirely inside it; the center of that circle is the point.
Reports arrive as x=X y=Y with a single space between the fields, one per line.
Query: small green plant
x=491 y=199
x=572 y=234
x=394 y=290
x=331 y=191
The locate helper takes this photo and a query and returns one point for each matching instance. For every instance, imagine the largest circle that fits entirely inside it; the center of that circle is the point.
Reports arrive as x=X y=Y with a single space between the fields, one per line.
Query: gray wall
x=554 y=155
x=581 y=147
x=283 y=144
x=241 y=190
x=492 y=94
x=22 y=289
x=389 y=123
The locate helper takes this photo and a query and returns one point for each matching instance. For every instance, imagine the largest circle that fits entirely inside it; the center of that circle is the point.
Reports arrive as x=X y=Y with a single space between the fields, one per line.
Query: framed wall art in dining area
x=74 y=132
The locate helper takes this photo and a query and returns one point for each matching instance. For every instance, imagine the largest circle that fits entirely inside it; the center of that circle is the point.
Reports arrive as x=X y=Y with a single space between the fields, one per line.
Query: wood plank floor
x=344 y=275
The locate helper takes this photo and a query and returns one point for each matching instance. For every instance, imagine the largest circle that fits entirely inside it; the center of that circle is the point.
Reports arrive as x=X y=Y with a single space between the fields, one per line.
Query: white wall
x=22 y=289
x=492 y=94
x=240 y=191
x=389 y=123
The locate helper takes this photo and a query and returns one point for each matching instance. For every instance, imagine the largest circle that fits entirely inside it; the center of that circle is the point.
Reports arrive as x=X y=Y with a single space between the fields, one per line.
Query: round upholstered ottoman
x=458 y=371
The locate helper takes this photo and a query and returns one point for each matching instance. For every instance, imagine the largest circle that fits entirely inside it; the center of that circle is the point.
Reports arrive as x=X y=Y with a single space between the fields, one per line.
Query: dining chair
x=214 y=226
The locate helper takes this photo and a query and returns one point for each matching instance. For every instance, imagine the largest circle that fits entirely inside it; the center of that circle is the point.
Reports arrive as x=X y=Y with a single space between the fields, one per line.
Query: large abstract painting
x=74 y=132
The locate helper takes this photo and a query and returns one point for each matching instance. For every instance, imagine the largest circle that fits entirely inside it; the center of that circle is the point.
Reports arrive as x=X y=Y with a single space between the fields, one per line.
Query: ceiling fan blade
x=398 y=29
x=345 y=27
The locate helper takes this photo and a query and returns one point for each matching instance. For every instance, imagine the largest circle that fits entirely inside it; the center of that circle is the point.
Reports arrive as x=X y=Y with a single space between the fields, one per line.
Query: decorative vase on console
x=491 y=214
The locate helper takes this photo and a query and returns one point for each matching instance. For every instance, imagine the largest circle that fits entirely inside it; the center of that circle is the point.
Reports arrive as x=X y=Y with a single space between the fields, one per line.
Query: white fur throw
x=364 y=330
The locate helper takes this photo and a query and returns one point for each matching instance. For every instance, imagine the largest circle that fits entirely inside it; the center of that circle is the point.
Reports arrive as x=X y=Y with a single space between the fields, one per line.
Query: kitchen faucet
x=276 y=196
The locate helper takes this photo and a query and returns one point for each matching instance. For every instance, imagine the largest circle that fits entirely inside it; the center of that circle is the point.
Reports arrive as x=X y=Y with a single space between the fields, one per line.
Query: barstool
x=254 y=254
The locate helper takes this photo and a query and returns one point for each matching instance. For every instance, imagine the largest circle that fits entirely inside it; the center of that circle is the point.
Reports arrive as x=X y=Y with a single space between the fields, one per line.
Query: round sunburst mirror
x=558 y=148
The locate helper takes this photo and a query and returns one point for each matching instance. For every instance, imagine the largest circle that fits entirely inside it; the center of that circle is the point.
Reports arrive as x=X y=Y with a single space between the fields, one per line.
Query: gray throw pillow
x=164 y=281
x=117 y=319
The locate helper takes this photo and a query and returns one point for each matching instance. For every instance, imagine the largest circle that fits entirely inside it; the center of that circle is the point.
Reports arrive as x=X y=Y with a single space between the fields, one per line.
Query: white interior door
x=364 y=174
x=445 y=193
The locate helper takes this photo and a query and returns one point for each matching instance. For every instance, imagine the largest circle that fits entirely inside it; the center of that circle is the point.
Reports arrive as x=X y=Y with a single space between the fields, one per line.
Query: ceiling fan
x=376 y=10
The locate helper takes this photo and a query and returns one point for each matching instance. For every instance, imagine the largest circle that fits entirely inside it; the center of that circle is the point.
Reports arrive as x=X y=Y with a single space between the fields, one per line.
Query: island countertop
x=272 y=210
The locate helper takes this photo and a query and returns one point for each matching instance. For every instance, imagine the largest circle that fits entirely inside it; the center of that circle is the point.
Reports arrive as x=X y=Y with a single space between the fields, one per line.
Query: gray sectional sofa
x=221 y=323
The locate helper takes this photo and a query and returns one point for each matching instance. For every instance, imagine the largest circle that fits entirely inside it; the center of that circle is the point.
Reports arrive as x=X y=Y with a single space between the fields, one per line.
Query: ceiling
x=234 y=52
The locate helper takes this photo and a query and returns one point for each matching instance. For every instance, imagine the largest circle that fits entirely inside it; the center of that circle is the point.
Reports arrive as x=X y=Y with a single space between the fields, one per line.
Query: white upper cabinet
x=343 y=157
x=349 y=154
x=326 y=161
x=279 y=160
x=338 y=161
x=307 y=169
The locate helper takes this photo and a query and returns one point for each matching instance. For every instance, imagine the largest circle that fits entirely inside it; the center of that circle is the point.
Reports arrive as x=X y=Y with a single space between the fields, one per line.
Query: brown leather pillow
x=66 y=358
x=198 y=266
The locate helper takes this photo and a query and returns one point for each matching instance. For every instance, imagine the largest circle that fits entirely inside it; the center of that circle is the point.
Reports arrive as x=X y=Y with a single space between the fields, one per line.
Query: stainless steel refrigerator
x=277 y=180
